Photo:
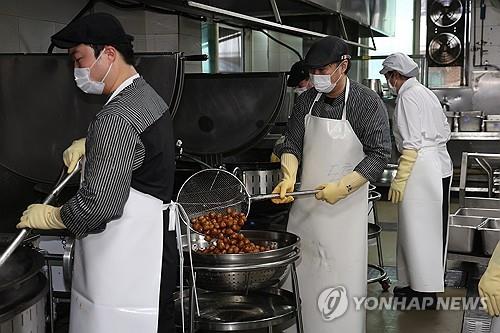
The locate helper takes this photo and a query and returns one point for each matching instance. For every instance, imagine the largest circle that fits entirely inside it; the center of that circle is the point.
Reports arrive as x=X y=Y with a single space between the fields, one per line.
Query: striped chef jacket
x=365 y=112
x=129 y=144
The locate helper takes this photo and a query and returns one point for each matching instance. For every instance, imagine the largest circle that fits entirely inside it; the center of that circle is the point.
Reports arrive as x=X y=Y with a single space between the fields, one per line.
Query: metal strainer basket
x=216 y=190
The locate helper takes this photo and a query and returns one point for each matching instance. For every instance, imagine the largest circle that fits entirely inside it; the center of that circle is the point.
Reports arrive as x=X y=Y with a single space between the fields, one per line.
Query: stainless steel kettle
x=375 y=85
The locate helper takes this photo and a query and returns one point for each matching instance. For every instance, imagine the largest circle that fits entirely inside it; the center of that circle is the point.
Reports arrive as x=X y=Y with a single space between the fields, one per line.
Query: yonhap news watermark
x=334 y=302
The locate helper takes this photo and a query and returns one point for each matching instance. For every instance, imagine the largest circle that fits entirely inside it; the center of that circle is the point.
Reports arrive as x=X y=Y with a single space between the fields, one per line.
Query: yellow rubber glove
x=289 y=167
x=274 y=158
x=40 y=216
x=73 y=153
x=489 y=285
x=333 y=192
x=398 y=185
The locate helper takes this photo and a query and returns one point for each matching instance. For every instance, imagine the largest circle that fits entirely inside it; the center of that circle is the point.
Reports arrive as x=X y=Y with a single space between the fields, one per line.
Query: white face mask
x=300 y=90
x=392 y=89
x=85 y=83
x=323 y=83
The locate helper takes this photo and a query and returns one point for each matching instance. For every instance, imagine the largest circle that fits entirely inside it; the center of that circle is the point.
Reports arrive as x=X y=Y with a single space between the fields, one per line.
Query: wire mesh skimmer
x=216 y=190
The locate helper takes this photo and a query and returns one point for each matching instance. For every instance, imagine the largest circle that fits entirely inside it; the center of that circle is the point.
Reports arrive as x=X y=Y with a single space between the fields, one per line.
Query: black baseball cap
x=92 y=29
x=298 y=72
x=327 y=50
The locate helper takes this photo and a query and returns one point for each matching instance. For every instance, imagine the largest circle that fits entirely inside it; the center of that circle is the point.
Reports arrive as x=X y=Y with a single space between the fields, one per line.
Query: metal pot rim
x=250 y=258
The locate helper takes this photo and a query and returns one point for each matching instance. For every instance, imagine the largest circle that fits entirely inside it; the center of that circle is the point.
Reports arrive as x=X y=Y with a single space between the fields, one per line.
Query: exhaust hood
x=349 y=20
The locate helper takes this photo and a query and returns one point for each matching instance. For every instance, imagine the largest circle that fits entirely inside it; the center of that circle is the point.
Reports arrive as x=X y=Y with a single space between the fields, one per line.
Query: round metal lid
x=227 y=113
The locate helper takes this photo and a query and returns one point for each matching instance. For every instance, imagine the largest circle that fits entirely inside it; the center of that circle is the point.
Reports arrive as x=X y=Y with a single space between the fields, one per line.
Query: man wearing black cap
x=298 y=79
x=339 y=132
x=128 y=175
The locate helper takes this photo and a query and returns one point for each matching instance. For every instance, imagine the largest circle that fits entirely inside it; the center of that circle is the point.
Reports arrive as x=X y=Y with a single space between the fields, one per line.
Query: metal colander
x=240 y=281
x=248 y=271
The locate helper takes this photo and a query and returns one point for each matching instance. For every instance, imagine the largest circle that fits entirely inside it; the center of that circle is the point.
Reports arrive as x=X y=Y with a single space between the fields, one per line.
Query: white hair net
x=401 y=63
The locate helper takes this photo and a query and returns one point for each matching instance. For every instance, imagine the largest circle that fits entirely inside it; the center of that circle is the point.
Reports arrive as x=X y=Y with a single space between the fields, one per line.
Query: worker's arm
x=398 y=185
x=74 y=153
x=111 y=144
x=289 y=167
x=373 y=131
x=333 y=192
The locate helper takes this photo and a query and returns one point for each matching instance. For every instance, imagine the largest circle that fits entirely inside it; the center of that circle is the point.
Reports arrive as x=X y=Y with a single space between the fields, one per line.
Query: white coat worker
x=489 y=289
x=339 y=132
x=299 y=80
x=119 y=273
x=422 y=183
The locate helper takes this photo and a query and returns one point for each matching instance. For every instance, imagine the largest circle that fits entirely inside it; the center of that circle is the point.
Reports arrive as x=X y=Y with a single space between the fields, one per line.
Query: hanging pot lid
x=227 y=113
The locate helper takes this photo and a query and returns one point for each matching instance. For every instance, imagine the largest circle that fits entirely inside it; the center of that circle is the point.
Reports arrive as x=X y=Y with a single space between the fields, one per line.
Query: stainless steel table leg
x=296 y=292
x=378 y=238
x=192 y=309
x=51 y=296
x=270 y=329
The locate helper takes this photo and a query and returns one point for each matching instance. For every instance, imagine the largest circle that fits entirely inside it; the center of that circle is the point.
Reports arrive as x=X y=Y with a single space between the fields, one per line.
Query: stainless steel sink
x=490 y=232
x=478 y=212
x=489 y=203
x=462 y=232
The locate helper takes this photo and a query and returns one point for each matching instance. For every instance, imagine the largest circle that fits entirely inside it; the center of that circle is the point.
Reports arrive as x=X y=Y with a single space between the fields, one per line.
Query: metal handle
x=261 y=197
x=374 y=196
x=195 y=57
x=24 y=233
x=68 y=262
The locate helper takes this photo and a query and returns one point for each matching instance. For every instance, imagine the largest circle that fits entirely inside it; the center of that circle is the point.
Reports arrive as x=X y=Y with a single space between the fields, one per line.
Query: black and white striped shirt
x=114 y=150
x=365 y=112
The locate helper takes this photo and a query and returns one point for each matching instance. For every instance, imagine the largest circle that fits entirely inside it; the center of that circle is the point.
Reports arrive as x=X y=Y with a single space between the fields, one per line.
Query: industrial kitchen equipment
x=474 y=227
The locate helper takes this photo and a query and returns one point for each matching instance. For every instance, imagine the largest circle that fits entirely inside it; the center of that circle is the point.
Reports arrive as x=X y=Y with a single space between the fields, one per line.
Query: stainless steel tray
x=234 y=311
x=462 y=232
x=490 y=233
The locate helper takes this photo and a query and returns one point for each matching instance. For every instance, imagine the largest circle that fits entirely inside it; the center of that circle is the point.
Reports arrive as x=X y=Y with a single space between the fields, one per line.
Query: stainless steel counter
x=477 y=136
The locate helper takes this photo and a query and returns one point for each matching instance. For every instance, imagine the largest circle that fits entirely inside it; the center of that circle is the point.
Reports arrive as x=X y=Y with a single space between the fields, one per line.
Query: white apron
x=116 y=278
x=495 y=325
x=333 y=237
x=420 y=231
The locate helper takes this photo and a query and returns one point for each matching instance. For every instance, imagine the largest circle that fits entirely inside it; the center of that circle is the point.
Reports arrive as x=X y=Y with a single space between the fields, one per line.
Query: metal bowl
x=248 y=271
x=282 y=243
x=240 y=311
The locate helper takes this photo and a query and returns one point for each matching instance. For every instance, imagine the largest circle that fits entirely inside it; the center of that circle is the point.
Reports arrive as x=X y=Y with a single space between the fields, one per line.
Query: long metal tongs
x=25 y=232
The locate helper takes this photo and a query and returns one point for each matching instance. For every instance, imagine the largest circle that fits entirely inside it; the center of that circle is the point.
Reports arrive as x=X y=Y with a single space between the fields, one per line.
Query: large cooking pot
x=22 y=265
x=258 y=177
x=375 y=85
x=23 y=289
